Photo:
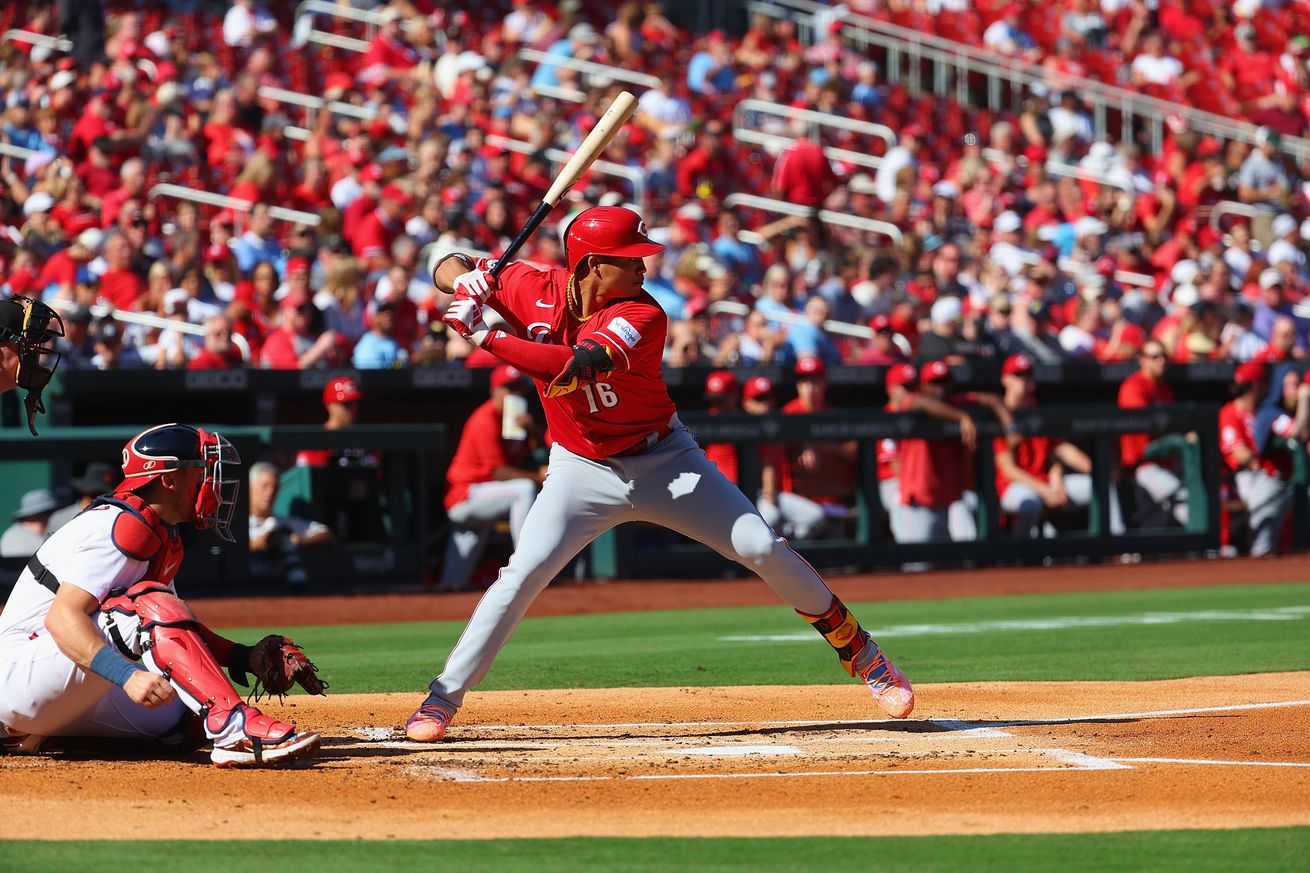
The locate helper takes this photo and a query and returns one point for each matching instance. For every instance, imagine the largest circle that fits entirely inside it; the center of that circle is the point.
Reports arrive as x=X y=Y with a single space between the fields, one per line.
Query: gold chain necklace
x=568 y=299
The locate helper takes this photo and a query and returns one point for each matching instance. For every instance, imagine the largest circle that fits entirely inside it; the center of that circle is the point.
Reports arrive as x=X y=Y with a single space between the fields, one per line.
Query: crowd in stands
x=997 y=256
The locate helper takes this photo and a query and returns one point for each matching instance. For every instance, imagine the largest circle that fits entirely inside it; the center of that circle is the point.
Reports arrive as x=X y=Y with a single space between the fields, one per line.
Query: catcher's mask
x=169 y=447
x=32 y=327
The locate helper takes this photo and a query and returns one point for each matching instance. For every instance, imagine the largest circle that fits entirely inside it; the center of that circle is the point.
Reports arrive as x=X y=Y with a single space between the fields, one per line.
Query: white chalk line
x=1069 y=622
x=951 y=725
x=1218 y=763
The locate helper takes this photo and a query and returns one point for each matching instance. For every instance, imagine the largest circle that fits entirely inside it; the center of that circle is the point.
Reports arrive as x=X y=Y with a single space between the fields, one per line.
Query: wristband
x=112 y=666
x=459 y=256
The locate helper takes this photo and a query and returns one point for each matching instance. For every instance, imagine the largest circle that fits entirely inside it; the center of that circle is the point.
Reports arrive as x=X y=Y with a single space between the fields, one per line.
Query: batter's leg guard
x=861 y=657
x=151 y=621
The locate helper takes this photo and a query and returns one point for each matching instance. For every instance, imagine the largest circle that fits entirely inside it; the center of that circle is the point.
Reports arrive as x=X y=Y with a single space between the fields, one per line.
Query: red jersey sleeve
x=632 y=332
x=530 y=300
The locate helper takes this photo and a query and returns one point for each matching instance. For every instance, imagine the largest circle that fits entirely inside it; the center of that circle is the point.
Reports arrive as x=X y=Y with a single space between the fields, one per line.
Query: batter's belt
x=646 y=443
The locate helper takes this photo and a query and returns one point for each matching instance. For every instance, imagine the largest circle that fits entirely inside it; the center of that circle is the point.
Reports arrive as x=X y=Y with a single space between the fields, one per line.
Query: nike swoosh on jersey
x=545 y=305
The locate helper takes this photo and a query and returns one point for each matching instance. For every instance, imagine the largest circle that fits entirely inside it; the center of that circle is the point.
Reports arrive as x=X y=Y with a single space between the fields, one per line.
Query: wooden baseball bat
x=592 y=147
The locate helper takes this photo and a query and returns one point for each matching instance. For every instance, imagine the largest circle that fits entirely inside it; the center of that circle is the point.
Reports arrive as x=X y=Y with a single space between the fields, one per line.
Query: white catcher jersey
x=80 y=553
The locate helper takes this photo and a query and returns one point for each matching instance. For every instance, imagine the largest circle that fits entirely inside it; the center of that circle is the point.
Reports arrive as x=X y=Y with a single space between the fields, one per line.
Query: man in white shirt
x=276 y=540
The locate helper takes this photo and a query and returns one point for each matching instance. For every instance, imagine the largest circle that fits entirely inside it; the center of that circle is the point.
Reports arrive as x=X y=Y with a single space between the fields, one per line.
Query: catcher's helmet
x=607 y=230
x=168 y=447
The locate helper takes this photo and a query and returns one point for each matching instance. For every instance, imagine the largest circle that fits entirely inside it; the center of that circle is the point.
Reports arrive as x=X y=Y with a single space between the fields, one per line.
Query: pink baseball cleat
x=429 y=721
x=887 y=684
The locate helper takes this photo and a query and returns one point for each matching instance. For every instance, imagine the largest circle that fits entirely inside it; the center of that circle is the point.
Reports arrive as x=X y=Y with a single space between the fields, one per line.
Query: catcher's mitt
x=277 y=664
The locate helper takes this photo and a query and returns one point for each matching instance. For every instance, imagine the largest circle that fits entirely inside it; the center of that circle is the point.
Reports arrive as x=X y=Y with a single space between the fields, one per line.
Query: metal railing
x=40 y=40
x=827 y=216
x=145 y=319
x=842 y=328
x=13 y=151
x=591 y=68
x=222 y=201
x=813 y=118
x=303 y=30
x=953 y=63
x=1233 y=207
x=559 y=157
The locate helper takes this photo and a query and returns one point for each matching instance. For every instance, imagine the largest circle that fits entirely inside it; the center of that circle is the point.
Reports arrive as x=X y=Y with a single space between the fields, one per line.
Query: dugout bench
x=634 y=551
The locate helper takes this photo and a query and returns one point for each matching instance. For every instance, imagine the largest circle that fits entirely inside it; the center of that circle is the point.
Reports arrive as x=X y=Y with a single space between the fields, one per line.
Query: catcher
x=94 y=640
x=28 y=329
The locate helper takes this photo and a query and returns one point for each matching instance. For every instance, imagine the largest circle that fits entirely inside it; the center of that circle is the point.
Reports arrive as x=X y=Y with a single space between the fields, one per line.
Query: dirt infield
x=1002 y=757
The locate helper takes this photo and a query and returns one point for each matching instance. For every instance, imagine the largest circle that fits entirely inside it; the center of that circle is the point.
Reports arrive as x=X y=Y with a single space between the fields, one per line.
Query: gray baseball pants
x=472 y=518
x=1267 y=498
x=1165 y=490
x=673 y=485
x=1028 y=509
x=793 y=515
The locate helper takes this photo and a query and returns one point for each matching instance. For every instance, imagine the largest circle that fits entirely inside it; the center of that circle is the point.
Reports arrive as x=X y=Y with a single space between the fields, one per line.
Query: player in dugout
x=592 y=339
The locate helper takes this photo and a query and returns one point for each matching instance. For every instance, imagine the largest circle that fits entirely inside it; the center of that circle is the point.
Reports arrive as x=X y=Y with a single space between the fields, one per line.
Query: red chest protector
x=142 y=535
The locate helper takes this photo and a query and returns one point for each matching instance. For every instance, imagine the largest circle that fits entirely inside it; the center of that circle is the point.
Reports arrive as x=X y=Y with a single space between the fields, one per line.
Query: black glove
x=591 y=360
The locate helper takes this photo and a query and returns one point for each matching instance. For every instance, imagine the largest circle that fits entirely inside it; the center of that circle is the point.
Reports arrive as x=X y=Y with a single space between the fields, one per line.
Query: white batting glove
x=478 y=284
x=464 y=316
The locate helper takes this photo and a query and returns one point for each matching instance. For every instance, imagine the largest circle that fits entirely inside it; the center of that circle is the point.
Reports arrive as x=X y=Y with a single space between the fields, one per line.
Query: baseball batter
x=94 y=640
x=28 y=329
x=592 y=339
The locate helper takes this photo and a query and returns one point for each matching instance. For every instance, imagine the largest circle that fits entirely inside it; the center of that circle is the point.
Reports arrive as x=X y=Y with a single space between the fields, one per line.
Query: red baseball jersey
x=481 y=450
x=1138 y=392
x=1237 y=429
x=1034 y=456
x=932 y=472
x=621 y=408
x=888 y=455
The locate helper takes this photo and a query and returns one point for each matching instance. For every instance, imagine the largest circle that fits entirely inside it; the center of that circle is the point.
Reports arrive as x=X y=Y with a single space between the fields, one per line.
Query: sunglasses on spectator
x=1154 y=355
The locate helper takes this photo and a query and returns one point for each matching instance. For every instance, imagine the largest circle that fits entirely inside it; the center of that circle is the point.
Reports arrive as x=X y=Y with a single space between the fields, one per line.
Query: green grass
x=682 y=647
x=1267 y=850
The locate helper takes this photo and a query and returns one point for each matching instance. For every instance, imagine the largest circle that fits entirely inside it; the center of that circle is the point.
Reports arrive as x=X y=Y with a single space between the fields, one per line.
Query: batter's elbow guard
x=591 y=360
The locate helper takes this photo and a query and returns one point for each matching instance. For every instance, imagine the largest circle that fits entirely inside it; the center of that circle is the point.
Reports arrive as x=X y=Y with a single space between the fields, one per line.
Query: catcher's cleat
x=264 y=741
x=14 y=743
x=887 y=684
x=428 y=723
x=255 y=753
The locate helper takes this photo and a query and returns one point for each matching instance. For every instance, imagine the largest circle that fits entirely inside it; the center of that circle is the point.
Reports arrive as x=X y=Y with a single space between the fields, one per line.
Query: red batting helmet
x=169 y=447
x=607 y=230
x=341 y=390
x=899 y=375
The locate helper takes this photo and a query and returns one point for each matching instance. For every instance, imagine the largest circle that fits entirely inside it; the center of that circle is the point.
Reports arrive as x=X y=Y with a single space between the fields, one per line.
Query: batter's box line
x=1159 y=713
x=952 y=728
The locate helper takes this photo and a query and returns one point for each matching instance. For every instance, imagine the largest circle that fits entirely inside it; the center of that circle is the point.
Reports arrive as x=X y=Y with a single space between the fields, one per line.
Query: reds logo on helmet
x=607 y=230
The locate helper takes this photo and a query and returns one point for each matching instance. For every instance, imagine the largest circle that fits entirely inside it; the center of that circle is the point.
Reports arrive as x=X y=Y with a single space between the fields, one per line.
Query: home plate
x=736 y=751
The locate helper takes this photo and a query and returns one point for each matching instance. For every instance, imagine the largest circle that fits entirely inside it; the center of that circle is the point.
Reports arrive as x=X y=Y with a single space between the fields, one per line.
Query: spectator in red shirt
x=133 y=177
x=218 y=353
x=379 y=229
x=787 y=512
x=74 y=212
x=119 y=286
x=1262 y=482
x=297 y=344
x=489 y=477
x=61 y=267
x=1141 y=390
x=704 y=172
x=802 y=174
x=824 y=472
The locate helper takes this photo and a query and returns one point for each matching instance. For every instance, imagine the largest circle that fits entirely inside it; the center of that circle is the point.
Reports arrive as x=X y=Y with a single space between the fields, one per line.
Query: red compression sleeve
x=538 y=360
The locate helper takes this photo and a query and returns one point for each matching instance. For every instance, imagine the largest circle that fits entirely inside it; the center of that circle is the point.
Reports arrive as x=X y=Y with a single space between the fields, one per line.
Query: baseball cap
x=720 y=382
x=1007 y=222
x=296 y=265
x=99 y=478
x=810 y=367
x=175 y=301
x=946 y=310
x=880 y=323
x=1283 y=225
x=1249 y=372
x=1017 y=365
x=934 y=371
x=342 y=389
x=1270 y=277
x=36 y=502
x=900 y=374
x=217 y=253
x=394 y=192
x=38 y=201
x=757 y=386
x=295 y=300
x=506 y=375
